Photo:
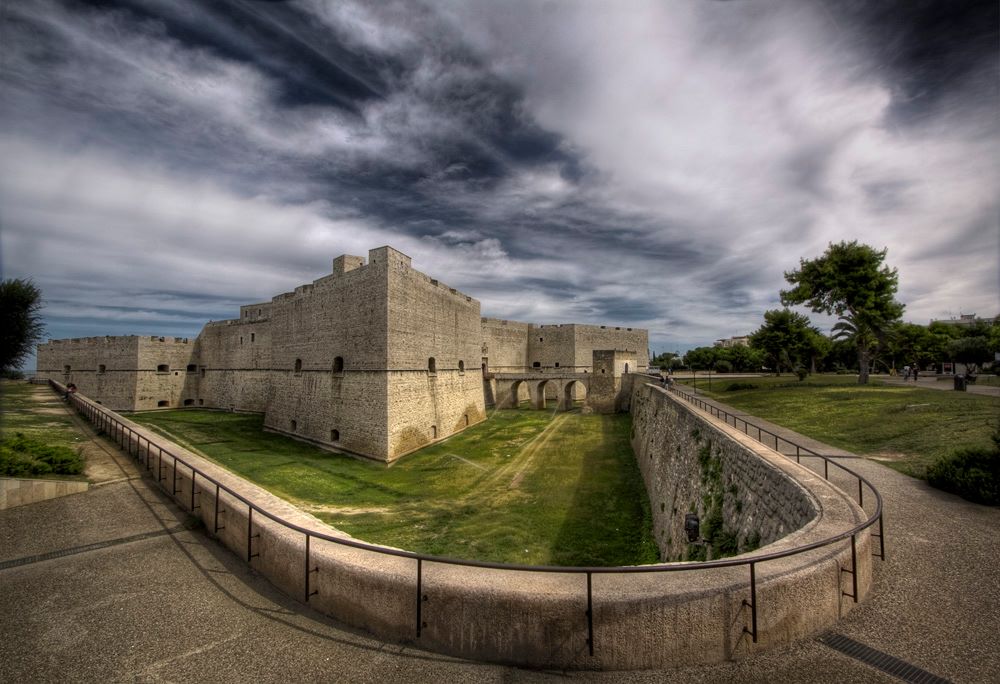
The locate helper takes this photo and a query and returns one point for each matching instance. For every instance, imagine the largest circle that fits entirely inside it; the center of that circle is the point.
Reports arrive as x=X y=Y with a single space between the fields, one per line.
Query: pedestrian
x=906 y=372
x=916 y=372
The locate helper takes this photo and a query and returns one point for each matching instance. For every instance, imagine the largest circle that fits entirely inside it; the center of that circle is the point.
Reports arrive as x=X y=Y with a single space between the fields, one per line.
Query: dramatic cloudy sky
x=655 y=164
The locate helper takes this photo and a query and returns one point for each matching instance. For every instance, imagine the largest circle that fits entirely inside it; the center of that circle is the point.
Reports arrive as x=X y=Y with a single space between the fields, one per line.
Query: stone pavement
x=109 y=586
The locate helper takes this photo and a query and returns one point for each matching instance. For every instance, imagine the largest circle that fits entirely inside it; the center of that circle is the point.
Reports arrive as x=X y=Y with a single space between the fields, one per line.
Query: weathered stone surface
x=376 y=359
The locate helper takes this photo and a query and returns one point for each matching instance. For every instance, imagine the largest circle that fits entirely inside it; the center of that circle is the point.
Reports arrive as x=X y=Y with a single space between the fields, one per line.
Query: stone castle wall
x=344 y=362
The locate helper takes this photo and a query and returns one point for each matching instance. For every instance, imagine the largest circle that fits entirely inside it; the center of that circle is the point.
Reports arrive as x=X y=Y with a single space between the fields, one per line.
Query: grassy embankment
x=906 y=427
x=37 y=436
x=523 y=487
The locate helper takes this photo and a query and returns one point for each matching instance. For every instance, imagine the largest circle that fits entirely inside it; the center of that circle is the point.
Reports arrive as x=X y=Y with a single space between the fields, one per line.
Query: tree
x=850 y=281
x=20 y=321
x=700 y=358
x=786 y=339
x=971 y=351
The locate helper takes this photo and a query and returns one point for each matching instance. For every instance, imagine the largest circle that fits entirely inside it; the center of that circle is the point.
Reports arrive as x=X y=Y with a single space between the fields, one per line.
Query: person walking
x=906 y=372
x=916 y=372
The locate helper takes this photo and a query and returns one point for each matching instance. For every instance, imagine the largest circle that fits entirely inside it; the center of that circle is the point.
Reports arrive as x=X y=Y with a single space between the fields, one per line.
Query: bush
x=22 y=456
x=737 y=386
x=723 y=366
x=972 y=473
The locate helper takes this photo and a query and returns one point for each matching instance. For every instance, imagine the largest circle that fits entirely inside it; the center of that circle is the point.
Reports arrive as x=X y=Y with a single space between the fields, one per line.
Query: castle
x=376 y=359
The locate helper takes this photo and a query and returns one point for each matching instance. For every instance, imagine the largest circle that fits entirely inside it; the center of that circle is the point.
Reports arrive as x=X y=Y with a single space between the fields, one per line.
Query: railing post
x=215 y=522
x=250 y=534
x=420 y=580
x=826 y=468
x=590 y=615
x=194 y=474
x=753 y=603
x=309 y=571
x=173 y=487
x=881 y=538
x=861 y=493
x=854 y=566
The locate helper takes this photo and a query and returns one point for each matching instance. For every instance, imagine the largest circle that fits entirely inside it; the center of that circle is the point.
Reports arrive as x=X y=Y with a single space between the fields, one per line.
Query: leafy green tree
x=21 y=325
x=745 y=359
x=850 y=281
x=701 y=358
x=972 y=351
x=786 y=339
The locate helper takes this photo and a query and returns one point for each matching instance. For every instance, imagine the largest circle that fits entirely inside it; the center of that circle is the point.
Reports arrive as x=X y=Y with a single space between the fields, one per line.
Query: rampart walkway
x=106 y=585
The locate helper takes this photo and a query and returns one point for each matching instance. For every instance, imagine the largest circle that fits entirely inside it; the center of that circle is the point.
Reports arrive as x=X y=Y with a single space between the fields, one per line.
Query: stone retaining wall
x=19 y=492
x=743 y=498
x=530 y=618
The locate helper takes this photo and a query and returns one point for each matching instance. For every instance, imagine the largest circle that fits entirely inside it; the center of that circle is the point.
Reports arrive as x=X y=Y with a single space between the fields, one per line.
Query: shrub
x=973 y=473
x=723 y=366
x=738 y=386
x=22 y=456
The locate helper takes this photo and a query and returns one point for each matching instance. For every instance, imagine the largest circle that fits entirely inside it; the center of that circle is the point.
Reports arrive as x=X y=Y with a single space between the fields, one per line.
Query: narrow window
x=102 y=368
x=557 y=364
x=626 y=368
x=163 y=368
x=241 y=339
x=466 y=416
x=66 y=368
x=431 y=365
x=201 y=402
x=202 y=371
x=298 y=366
x=461 y=366
x=295 y=426
x=338 y=364
x=334 y=435
x=163 y=402
x=540 y=339
x=189 y=402
x=191 y=368
x=434 y=431
x=253 y=336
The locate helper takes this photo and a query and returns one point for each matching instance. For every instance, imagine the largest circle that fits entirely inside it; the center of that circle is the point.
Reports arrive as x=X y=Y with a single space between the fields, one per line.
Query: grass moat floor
x=905 y=427
x=525 y=486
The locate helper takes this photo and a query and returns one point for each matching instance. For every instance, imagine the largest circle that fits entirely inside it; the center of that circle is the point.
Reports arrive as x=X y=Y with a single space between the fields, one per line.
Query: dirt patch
x=888 y=456
x=340 y=510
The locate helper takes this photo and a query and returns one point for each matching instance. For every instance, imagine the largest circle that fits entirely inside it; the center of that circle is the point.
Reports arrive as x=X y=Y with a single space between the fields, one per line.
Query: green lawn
x=907 y=427
x=523 y=487
x=50 y=446
x=36 y=411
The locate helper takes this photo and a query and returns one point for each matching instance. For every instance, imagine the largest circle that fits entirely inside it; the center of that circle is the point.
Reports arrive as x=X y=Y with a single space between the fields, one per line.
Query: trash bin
x=959 y=383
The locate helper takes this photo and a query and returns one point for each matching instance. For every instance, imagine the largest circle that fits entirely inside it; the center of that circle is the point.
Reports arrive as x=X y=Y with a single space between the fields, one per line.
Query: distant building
x=965 y=320
x=740 y=341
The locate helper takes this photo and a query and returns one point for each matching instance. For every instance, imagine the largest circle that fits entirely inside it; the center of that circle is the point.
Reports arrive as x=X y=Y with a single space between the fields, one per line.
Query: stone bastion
x=679 y=614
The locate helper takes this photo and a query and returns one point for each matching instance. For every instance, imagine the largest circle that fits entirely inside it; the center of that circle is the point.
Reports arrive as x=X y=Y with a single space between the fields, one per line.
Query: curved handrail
x=92 y=410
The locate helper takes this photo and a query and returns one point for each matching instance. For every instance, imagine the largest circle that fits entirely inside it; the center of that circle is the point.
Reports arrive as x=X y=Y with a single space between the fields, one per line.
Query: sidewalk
x=946 y=384
x=109 y=586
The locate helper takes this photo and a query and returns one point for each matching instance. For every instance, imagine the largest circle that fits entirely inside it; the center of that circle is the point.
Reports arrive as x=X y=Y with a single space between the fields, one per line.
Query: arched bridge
x=511 y=388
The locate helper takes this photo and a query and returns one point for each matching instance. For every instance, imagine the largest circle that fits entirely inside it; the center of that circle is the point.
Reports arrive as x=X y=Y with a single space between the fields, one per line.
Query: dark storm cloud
x=642 y=163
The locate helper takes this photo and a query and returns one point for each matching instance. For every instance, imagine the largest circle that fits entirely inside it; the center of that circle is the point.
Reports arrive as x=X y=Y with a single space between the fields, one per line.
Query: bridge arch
x=570 y=390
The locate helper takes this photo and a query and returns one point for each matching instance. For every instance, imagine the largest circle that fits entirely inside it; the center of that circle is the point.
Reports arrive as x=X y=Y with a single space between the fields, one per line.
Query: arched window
x=298 y=366
x=334 y=435
x=431 y=365
x=626 y=368
x=461 y=366
x=295 y=425
x=338 y=364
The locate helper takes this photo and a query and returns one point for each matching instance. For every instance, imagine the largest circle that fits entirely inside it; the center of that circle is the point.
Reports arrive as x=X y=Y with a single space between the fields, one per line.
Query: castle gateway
x=376 y=359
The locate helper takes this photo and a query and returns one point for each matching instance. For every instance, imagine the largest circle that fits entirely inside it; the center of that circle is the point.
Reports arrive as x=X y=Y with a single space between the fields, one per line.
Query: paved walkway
x=109 y=586
x=946 y=384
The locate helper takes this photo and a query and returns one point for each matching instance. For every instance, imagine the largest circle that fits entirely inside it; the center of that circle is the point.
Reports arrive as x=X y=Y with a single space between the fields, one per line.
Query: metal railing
x=131 y=441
